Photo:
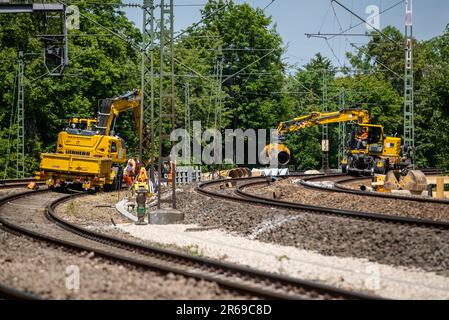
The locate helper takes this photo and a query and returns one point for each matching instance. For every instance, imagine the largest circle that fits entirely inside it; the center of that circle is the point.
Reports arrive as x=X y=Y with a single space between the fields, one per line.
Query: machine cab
x=81 y=126
x=367 y=138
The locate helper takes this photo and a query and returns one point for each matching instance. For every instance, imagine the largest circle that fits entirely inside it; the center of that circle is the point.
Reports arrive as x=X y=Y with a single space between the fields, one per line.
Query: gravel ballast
x=384 y=243
x=347 y=273
x=289 y=190
x=42 y=269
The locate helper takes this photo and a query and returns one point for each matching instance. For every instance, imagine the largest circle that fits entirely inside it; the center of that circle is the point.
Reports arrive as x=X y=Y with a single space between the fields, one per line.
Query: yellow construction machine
x=88 y=152
x=369 y=151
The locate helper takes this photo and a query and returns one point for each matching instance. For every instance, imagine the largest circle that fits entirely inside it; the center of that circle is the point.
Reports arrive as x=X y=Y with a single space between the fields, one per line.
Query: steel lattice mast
x=166 y=100
x=409 y=119
x=20 y=152
x=146 y=135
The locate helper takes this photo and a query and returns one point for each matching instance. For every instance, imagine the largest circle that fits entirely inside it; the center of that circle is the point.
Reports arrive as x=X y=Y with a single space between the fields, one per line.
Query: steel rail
x=9 y=293
x=339 y=187
x=245 y=197
x=238 y=278
x=16 y=183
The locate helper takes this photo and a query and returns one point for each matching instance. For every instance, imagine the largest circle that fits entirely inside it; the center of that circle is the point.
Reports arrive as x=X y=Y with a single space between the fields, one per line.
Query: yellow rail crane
x=88 y=152
x=369 y=151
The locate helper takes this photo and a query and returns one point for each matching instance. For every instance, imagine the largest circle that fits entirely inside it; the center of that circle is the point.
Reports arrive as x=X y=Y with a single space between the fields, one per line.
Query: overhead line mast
x=409 y=116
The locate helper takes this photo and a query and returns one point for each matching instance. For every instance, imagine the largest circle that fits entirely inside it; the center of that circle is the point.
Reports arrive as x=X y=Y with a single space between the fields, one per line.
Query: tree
x=253 y=68
x=101 y=66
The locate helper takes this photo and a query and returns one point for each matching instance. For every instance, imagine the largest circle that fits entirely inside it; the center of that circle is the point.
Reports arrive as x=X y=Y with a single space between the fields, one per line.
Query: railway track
x=51 y=228
x=341 y=181
x=18 y=183
x=8 y=293
x=240 y=195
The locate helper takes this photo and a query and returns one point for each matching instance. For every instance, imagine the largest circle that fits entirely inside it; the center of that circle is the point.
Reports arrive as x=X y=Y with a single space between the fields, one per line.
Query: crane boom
x=113 y=107
x=281 y=153
x=360 y=116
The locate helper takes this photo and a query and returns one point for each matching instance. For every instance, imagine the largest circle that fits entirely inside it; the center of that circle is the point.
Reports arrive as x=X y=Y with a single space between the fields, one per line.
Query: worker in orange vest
x=361 y=140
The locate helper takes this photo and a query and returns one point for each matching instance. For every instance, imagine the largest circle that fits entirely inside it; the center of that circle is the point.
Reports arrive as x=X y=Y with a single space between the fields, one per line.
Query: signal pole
x=409 y=116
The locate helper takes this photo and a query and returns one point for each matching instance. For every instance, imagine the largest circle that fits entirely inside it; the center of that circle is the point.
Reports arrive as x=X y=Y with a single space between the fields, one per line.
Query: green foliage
x=256 y=92
x=101 y=66
x=252 y=51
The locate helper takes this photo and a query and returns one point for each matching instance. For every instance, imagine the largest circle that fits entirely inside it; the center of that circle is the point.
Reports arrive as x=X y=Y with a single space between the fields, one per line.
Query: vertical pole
x=325 y=132
x=172 y=96
x=409 y=116
x=342 y=130
x=166 y=97
x=20 y=152
x=142 y=80
x=187 y=122
x=147 y=138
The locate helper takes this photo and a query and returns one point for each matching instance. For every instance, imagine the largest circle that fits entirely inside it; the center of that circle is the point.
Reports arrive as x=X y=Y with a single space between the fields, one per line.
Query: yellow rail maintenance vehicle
x=369 y=151
x=88 y=152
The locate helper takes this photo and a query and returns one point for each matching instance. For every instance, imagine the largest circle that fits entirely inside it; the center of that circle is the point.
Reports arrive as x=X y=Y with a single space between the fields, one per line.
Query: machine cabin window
x=374 y=135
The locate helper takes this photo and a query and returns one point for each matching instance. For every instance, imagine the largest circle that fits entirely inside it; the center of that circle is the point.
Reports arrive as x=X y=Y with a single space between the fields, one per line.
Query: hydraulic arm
x=281 y=153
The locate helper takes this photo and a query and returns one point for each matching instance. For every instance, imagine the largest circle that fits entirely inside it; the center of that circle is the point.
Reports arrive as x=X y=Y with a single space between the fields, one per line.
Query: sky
x=294 y=18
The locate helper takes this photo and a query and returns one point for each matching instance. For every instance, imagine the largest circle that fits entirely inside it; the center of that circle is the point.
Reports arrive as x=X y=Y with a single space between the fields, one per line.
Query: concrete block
x=166 y=216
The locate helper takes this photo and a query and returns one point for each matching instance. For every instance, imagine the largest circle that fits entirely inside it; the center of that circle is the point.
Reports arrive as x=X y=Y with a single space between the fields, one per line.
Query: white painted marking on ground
x=348 y=273
x=272 y=224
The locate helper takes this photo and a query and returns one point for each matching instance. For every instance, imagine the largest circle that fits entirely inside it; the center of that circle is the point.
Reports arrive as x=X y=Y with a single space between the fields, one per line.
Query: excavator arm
x=112 y=108
x=281 y=153
x=360 y=116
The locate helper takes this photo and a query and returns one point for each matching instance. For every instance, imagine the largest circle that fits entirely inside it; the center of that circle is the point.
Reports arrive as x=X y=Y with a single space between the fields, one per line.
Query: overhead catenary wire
x=360 y=18
x=360 y=23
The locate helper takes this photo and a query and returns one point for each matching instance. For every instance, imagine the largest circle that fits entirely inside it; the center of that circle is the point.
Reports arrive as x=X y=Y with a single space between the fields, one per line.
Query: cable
x=377 y=60
x=360 y=18
x=233 y=75
x=272 y=1
x=359 y=24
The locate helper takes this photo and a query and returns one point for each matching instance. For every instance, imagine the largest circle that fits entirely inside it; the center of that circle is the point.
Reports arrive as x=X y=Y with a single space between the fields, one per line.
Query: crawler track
x=241 y=279
x=242 y=196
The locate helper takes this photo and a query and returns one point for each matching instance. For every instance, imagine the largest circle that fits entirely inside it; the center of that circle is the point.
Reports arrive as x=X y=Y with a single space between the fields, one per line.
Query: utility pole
x=146 y=135
x=342 y=130
x=409 y=116
x=20 y=152
x=218 y=74
x=166 y=100
x=187 y=121
x=325 y=132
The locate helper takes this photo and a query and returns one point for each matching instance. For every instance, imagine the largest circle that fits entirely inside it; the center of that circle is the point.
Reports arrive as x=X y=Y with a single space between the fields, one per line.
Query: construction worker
x=129 y=173
x=362 y=138
x=143 y=176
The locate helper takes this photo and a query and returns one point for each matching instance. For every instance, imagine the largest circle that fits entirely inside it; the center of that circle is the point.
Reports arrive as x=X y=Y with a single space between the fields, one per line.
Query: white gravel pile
x=349 y=273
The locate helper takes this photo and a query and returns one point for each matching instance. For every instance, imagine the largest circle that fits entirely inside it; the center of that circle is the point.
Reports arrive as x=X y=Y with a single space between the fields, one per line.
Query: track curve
x=242 y=196
x=241 y=279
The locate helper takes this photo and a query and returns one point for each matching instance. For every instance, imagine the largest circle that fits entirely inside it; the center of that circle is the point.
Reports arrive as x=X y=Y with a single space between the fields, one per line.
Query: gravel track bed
x=333 y=236
x=4 y=192
x=40 y=268
x=20 y=261
x=293 y=192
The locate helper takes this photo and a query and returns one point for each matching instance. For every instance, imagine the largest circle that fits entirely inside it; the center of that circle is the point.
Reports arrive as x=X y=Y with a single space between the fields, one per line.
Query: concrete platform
x=166 y=216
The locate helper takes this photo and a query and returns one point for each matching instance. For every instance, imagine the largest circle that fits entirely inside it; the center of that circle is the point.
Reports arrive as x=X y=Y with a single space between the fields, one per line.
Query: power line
x=272 y=1
x=359 y=24
x=360 y=18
